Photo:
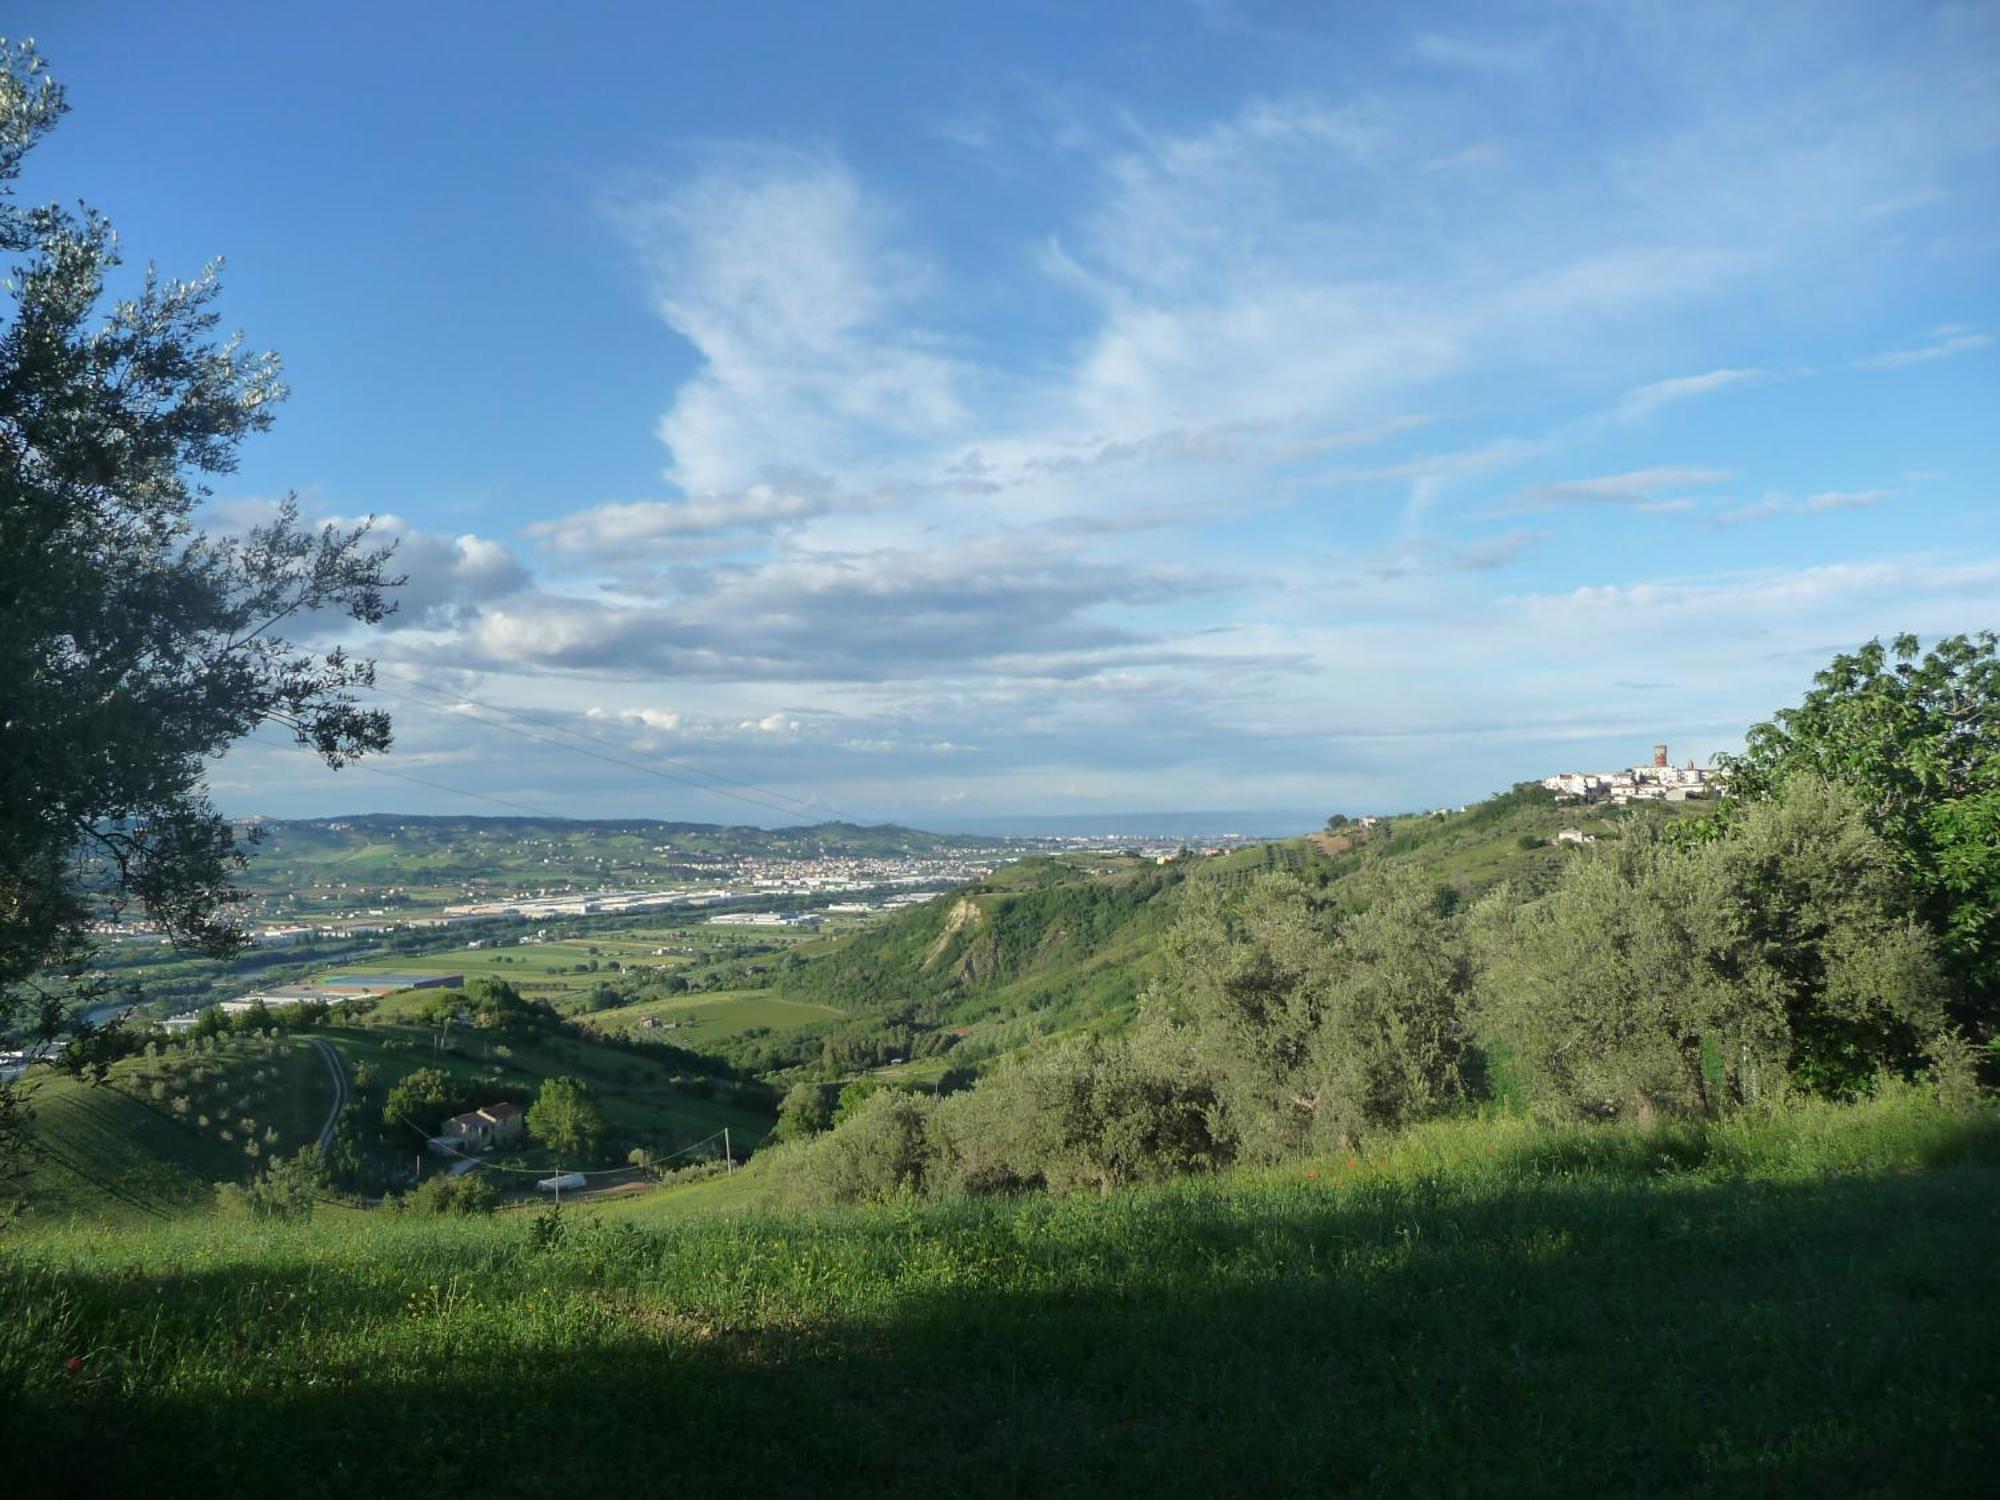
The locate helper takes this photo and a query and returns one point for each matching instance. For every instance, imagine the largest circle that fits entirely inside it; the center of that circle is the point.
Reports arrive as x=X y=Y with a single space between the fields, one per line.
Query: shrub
x=880 y=1152
x=805 y=1110
x=467 y=1193
x=1954 y=1072
x=1697 y=978
x=285 y=1189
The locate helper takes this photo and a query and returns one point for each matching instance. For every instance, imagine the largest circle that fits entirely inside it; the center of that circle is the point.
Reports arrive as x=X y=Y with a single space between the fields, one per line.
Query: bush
x=882 y=1151
x=806 y=1110
x=285 y=1189
x=1778 y=955
x=468 y=1193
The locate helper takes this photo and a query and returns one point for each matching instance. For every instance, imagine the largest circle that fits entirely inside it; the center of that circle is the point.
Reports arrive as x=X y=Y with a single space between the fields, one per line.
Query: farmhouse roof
x=501 y=1111
x=472 y=1119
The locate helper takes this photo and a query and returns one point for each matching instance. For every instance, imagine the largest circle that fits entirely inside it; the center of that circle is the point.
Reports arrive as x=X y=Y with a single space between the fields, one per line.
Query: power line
x=439 y=786
x=434 y=1141
x=805 y=804
x=750 y=793
x=754 y=801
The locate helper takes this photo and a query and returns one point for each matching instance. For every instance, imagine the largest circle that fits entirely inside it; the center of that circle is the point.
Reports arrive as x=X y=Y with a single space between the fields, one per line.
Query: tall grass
x=1796 y=1304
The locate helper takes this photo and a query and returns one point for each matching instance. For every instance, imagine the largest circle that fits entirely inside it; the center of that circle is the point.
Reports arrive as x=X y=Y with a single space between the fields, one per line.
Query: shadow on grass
x=1808 y=1140
x=1567 y=1338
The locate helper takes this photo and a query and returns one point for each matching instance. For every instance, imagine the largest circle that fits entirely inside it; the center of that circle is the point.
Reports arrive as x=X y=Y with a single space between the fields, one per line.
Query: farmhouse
x=482 y=1129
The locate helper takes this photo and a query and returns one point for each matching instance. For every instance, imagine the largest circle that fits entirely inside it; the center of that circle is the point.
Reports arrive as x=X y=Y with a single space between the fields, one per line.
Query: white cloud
x=1792 y=595
x=1812 y=505
x=994 y=605
x=617 y=531
x=1421 y=555
x=1648 y=398
x=787 y=280
x=1481 y=54
x=446 y=577
x=1923 y=354
x=1636 y=487
x=1902 y=203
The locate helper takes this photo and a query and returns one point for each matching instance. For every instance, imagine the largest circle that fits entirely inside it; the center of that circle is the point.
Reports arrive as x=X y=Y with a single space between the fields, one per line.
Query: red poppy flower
x=75 y=1363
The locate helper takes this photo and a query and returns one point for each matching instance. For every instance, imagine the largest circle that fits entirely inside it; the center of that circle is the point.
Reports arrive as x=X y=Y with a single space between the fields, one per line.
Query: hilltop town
x=1660 y=781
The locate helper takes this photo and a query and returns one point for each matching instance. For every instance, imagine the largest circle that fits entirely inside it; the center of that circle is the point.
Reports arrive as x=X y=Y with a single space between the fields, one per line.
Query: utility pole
x=728 y=1161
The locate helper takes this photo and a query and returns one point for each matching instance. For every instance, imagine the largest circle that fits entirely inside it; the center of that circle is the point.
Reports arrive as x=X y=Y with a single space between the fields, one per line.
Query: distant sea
x=1269 y=824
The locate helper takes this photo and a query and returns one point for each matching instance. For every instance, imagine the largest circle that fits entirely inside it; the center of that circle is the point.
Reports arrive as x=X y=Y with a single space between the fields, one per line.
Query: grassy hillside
x=1062 y=938
x=695 y=1021
x=1795 y=1306
x=1062 y=943
x=155 y=1138
x=154 y=1141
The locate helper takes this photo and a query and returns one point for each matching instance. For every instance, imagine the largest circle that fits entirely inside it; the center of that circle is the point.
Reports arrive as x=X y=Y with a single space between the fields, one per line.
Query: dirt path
x=339 y=1092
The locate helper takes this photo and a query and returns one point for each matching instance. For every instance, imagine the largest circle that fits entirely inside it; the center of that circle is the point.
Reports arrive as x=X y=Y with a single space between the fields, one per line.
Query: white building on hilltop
x=1662 y=781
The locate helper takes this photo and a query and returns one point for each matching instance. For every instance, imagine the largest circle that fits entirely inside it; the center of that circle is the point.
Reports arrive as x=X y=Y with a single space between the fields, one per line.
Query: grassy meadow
x=693 y=1019
x=1784 y=1305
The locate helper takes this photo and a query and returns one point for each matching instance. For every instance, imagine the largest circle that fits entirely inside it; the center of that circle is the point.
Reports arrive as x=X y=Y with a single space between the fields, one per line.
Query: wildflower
x=1354 y=1161
x=75 y=1363
x=1312 y=1177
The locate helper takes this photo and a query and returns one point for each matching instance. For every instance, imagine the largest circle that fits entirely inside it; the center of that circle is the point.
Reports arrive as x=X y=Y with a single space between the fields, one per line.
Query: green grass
x=740 y=1191
x=114 y=1154
x=1798 y=1307
x=699 y=1019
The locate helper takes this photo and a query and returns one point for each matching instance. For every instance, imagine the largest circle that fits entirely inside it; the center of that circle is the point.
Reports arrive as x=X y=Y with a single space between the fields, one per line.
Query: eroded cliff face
x=965 y=913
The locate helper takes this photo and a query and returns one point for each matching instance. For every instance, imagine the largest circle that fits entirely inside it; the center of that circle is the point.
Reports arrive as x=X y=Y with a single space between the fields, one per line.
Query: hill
x=1070 y=942
x=172 y=1123
x=1063 y=940
x=1794 y=1305
x=385 y=848
x=154 y=1139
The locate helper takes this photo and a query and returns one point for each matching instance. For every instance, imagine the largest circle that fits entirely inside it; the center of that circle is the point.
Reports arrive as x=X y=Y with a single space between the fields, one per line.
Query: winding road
x=339 y=1073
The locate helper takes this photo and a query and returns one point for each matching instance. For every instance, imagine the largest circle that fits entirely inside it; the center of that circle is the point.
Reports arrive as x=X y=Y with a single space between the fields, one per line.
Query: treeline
x=1813 y=936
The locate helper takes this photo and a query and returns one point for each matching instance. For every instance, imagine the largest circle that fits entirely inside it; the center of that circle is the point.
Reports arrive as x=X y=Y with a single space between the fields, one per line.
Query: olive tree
x=1780 y=955
x=1318 y=1028
x=133 y=646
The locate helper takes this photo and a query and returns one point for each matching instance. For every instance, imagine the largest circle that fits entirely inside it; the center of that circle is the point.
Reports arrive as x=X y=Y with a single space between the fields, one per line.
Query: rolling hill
x=1070 y=942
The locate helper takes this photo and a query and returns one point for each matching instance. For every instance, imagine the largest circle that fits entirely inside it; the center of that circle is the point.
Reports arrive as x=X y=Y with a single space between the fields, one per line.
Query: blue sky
x=939 y=412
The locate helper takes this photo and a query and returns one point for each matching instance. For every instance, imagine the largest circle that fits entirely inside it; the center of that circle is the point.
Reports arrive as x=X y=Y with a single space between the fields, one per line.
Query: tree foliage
x=567 y=1118
x=468 y=1193
x=1916 y=734
x=805 y=1110
x=1321 y=1028
x=133 y=647
x=287 y=1188
x=1780 y=956
x=421 y=1100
